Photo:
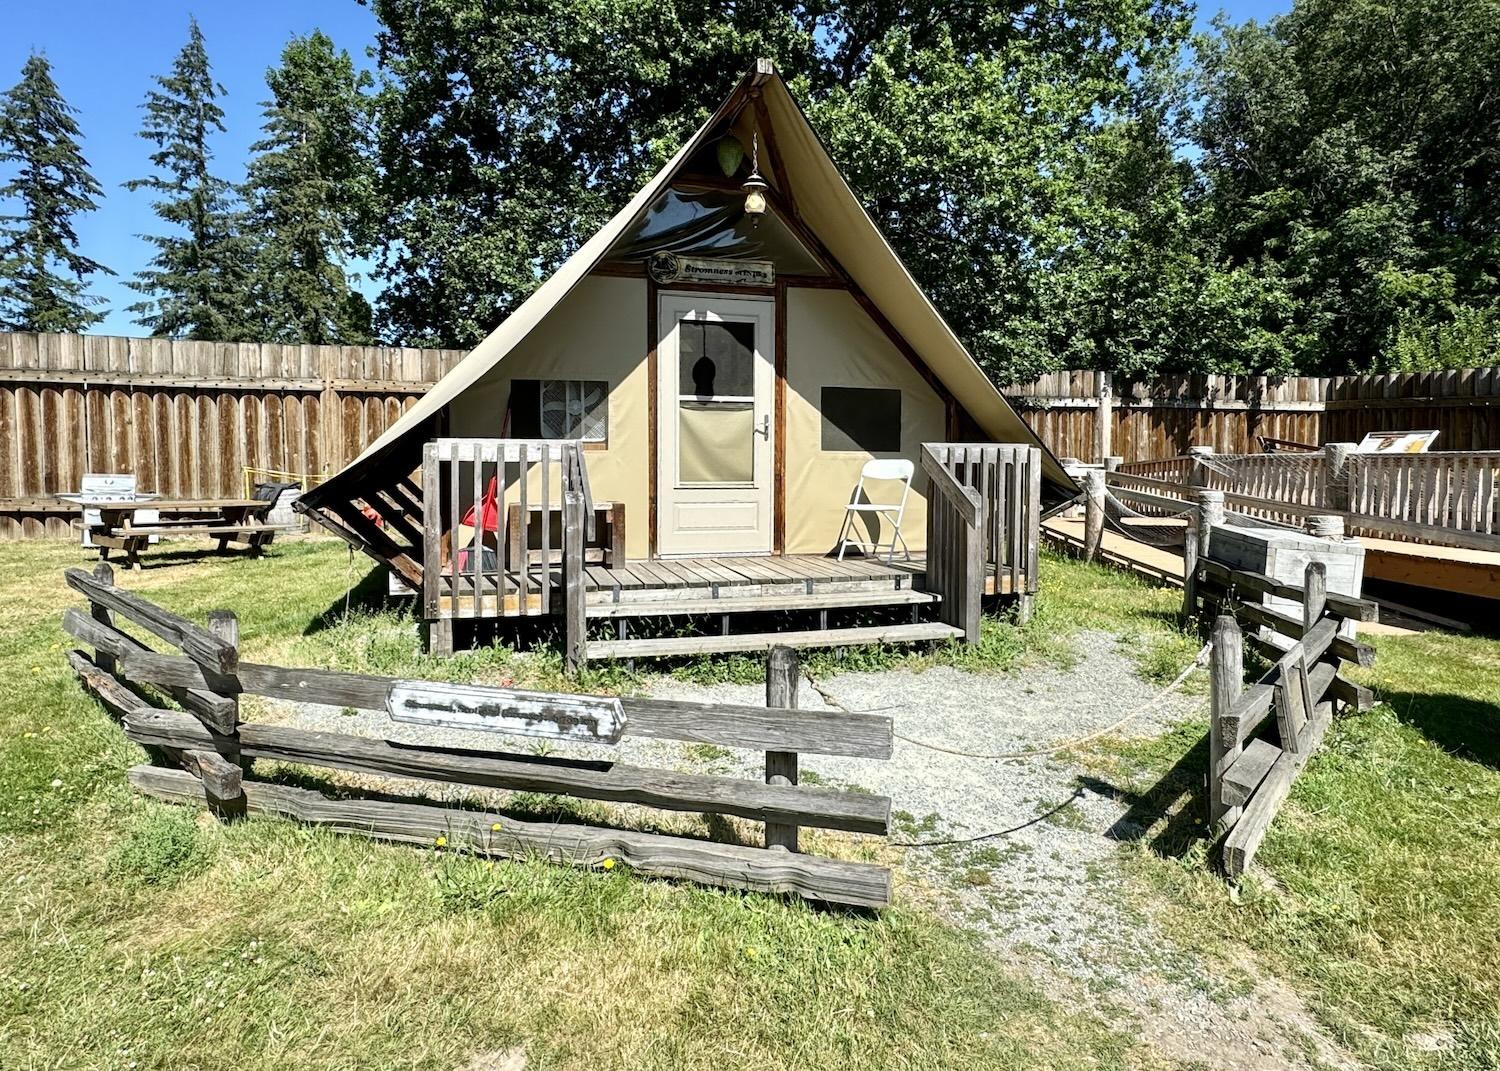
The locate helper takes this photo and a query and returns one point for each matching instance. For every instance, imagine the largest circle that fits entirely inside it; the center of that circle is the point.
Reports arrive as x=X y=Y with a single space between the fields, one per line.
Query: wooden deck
x=707 y=586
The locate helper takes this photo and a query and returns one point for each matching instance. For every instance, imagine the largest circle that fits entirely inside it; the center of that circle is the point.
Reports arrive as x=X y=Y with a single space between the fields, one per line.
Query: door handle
x=765 y=426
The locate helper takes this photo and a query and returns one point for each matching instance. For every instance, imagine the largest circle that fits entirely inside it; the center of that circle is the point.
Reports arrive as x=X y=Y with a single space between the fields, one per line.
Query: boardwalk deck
x=1455 y=569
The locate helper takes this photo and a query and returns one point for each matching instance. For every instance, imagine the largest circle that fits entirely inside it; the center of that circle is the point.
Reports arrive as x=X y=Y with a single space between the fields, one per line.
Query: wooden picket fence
x=203 y=754
x=1261 y=735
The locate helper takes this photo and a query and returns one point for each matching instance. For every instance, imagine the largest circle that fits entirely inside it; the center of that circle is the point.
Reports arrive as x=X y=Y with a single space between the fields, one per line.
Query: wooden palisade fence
x=204 y=754
x=187 y=418
x=1261 y=735
x=1093 y=415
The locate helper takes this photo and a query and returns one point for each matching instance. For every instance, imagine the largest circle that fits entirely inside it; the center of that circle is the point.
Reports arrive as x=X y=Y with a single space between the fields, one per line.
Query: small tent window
x=560 y=409
x=862 y=418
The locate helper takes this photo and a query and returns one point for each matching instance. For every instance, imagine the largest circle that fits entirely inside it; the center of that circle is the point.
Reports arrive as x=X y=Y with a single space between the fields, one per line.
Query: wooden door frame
x=777 y=294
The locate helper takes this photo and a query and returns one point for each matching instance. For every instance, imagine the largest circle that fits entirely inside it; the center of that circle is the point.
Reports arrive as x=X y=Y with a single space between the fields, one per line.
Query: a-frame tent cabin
x=708 y=383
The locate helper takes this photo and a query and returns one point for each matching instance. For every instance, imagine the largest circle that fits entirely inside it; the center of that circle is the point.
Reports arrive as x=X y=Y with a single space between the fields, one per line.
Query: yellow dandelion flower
x=608 y=864
x=441 y=841
x=495 y=828
x=750 y=953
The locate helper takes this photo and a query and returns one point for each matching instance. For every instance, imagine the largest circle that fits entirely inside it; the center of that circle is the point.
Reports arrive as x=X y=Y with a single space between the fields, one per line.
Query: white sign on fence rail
x=590 y=719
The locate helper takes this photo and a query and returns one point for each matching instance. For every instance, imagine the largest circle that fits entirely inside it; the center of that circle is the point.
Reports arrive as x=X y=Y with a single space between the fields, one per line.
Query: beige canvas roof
x=829 y=208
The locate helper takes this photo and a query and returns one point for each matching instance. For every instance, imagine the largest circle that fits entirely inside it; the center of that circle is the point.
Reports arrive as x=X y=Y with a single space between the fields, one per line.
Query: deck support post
x=440 y=636
x=783 y=673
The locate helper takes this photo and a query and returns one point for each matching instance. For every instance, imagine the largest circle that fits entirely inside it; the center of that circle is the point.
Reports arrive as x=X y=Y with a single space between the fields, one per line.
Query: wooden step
x=745 y=604
x=925 y=632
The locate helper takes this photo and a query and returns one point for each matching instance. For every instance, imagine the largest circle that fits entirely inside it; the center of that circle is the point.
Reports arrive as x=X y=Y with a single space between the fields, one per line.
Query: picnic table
x=229 y=520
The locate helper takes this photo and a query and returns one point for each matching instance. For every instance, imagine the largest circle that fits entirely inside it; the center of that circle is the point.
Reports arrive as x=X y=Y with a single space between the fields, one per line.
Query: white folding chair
x=875 y=512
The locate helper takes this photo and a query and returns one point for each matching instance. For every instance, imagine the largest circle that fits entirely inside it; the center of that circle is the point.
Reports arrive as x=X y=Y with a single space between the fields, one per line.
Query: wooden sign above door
x=668 y=268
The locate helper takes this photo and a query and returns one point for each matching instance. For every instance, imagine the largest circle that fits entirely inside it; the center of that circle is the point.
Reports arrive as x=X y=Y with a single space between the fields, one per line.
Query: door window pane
x=716 y=442
x=716 y=359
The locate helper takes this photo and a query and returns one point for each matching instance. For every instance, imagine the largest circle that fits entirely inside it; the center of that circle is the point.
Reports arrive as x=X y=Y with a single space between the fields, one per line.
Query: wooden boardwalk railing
x=1442 y=498
x=204 y=753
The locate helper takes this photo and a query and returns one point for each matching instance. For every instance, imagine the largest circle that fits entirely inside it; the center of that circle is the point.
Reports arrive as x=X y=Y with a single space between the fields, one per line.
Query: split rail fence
x=1262 y=734
x=204 y=753
x=187 y=418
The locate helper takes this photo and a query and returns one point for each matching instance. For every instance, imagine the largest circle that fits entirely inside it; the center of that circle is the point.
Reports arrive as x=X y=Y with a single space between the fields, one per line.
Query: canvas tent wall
x=896 y=316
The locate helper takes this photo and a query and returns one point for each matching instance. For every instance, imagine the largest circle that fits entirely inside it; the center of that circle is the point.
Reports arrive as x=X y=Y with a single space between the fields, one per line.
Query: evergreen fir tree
x=42 y=275
x=309 y=192
x=197 y=284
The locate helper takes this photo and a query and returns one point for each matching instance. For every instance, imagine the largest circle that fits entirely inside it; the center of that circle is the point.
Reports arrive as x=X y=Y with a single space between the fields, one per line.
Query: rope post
x=1226 y=683
x=1198 y=477
x=1093 y=513
x=1336 y=474
x=783 y=673
x=1113 y=462
x=1189 y=575
x=1210 y=516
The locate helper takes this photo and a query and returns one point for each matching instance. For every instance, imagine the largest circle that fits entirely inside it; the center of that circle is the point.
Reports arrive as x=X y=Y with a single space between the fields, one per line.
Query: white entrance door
x=716 y=368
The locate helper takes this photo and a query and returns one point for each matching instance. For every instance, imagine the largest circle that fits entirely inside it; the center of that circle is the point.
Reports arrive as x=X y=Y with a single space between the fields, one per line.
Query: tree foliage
x=1352 y=154
x=197 y=285
x=309 y=190
x=43 y=276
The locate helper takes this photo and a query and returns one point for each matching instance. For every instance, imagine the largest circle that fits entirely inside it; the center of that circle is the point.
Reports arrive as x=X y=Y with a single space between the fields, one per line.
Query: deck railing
x=983 y=526
x=474 y=570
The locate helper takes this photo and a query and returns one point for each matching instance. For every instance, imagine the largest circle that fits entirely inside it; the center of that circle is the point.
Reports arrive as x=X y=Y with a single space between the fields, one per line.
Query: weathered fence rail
x=186 y=418
x=1092 y=415
x=1261 y=735
x=205 y=753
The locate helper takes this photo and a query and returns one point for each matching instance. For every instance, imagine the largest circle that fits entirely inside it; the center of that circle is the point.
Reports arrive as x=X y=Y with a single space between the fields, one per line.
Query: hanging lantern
x=755 y=187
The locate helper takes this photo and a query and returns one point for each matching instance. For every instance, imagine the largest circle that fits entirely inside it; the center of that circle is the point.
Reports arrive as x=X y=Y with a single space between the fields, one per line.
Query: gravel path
x=1050 y=893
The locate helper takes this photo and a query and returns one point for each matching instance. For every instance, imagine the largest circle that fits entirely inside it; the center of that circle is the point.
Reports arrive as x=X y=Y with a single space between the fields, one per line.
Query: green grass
x=1378 y=892
x=136 y=934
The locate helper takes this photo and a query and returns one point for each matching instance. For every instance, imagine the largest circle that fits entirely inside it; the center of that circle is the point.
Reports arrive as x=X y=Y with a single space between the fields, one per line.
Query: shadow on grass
x=1168 y=816
x=370 y=594
x=1464 y=727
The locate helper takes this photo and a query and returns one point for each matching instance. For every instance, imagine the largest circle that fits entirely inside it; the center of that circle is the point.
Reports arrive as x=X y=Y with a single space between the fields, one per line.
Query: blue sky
x=105 y=52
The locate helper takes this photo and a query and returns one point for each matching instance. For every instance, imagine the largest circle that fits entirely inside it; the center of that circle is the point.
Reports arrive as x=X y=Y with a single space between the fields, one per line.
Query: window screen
x=560 y=409
x=862 y=418
x=718 y=359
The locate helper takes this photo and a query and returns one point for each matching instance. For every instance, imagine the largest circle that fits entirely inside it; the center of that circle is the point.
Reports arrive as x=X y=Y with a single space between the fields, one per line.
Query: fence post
x=1093 y=513
x=783 y=674
x=1198 y=477
x=1336 y=475
x=105 y=574
x=1104 y=416
x=1226 y=682
x=1113 y=462
x=221 y=772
